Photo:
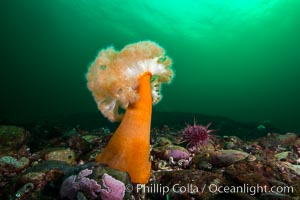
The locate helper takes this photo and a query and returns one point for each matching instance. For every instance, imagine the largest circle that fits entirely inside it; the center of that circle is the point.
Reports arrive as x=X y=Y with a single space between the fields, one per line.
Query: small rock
x=163 y=141
x=79 y=144
x=167 y=151
x=24 y=192
x=295 y=169
x=275 y=196
x=187 y=184
x=91 y=138
x=11 y=164
x=100 y=173
x=232 y=142
x=66 y=155
x=283 y=156
x=177 y=152
x=204 y=165
x=251 y=158
x=221 y=158
x=287 y=139
x=274 y=139
x=11 y=138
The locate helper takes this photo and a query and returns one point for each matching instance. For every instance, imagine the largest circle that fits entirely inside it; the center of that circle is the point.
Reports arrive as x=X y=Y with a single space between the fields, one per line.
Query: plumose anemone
x=130 y=79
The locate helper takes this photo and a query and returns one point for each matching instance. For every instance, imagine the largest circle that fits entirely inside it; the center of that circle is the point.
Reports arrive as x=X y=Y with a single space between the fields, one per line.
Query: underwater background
x=234 y=58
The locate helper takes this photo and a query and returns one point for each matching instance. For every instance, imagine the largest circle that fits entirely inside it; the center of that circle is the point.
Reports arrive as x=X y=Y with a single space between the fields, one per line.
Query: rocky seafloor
x=43 y=160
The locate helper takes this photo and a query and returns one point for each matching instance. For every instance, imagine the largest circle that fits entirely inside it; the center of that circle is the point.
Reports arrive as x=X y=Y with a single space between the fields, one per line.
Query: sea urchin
x=197 y=136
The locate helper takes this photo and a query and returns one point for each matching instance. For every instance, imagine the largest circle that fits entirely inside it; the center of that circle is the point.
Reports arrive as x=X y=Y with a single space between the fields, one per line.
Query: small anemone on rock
x=197 y=136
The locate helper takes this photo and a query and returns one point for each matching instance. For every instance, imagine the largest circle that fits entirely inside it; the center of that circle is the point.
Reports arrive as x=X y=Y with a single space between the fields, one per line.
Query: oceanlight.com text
x=252 y=190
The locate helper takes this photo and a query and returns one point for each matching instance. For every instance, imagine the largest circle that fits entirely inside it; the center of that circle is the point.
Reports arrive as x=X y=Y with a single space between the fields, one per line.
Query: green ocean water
x=233 y=58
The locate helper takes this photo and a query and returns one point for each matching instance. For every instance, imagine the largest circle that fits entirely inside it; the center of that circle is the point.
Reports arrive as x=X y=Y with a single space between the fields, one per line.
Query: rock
x=251 y=158
x=66 y=168
x=108 y=189
x=275 y=196
x=177 y=153
x=24 y=192
x=11 y=164
x=33 y=177
x=220 y=158
x=66 y=155
x=80 y=182
x=250 y=173
x=11 y=138
x=80 y=145
x=204 y=165
x=274 y=139
x=97 y=182
x=47 y=176
x=163 y=141
x=283 y=156
x=293 y=169
x=229 y=145
x=41 y=179
x=100 y=170
x=287 y=139
x=232 y=142
x=186 y=184
x=174 y=151
x=91 y=138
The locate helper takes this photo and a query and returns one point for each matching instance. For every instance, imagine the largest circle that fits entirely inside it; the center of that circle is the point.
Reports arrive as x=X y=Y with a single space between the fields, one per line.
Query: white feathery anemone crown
x=113 y=76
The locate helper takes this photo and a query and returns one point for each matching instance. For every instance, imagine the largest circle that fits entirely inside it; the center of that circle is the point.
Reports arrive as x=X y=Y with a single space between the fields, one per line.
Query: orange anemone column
x=129 y=148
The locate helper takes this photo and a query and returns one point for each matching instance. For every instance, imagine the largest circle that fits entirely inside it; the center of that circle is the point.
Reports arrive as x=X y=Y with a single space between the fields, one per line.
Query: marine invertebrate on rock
x=115 y=189
x=112 y=189
x=129 y=79
x=197 y=136
x=80 y=182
